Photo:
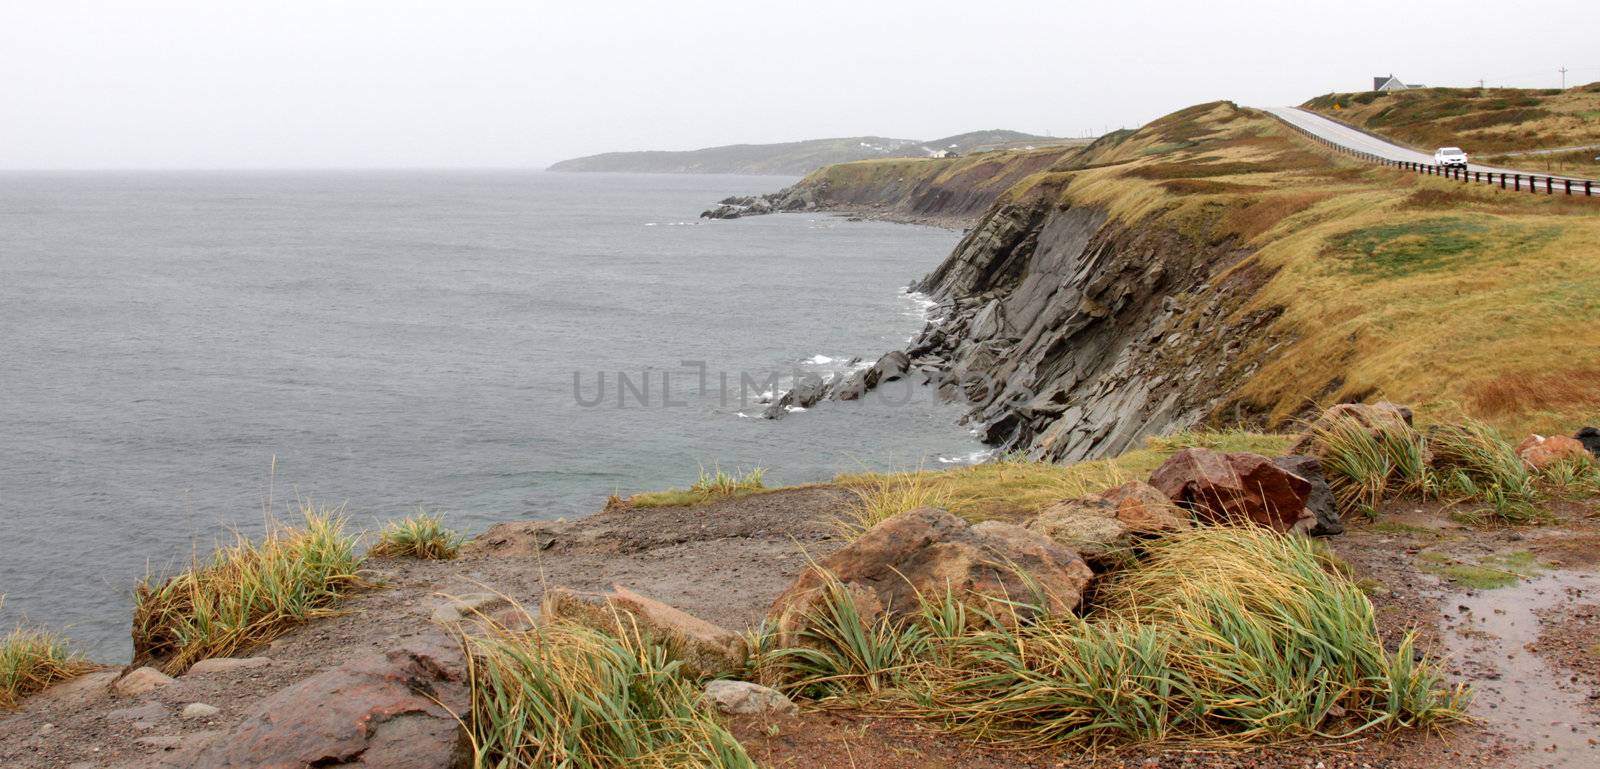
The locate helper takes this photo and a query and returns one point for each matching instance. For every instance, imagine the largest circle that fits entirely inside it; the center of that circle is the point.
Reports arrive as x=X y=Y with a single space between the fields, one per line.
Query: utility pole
x=1480 y=83
x=1563 y=77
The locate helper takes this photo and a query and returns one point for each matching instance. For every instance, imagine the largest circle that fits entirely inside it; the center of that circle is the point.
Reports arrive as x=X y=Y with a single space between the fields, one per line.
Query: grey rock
x=743 y=698
x=200 y=710
x=1320 y=503
x=227 y=665
x=141 y=681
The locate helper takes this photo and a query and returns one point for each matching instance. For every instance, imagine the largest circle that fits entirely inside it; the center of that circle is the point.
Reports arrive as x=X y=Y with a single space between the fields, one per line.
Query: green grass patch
x=246 y=594
x=1225 y=634
x=422 y=536
x=1431 y=245
x=709 y=486
x=1493 y=572
x=562 y=695
x=31 y=660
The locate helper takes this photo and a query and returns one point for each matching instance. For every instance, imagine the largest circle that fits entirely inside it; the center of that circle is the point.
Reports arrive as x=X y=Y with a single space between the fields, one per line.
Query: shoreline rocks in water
x=787 y=199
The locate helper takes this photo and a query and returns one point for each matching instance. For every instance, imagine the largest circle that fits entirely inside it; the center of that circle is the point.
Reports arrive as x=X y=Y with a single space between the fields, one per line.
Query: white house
x=1392 y=83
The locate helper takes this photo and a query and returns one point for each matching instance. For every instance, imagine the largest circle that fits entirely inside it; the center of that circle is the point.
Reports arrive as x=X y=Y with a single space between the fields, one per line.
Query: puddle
x=1487 y=633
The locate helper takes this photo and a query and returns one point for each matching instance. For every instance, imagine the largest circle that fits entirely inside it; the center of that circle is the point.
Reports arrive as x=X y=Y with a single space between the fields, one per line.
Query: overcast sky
x=291 y=84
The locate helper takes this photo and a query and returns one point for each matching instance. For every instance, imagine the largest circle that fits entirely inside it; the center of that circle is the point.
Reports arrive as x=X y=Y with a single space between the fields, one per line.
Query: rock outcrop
x=795 y=198
x=1101 y=526
x=927 y=551
x=705 y=648
x=394 y=710
x=1540 y=452
x=1222 y=487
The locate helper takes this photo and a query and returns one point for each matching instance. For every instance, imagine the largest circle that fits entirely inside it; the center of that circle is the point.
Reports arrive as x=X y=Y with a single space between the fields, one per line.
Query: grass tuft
x=569 y=696
x=422 y=536
x=32 y=659
x=709 y=486
x=1226 y=635
x=881 y=497
x=247 y=593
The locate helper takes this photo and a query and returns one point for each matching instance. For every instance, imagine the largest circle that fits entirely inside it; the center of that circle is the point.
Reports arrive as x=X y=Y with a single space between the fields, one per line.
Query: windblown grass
x=247 y=593
x=1469 y=463
x=422 y=536
x=715 y=484
x=881 y=497
x=1014 y=488
x=1226 y=635
x=32 y=659
x=563 y=695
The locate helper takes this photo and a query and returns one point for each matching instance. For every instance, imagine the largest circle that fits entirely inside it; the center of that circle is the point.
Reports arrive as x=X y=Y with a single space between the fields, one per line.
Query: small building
x=944 y=154
x=1392 y=83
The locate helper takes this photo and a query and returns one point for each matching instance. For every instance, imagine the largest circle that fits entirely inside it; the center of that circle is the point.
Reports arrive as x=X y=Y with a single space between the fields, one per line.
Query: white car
x=1450 y=156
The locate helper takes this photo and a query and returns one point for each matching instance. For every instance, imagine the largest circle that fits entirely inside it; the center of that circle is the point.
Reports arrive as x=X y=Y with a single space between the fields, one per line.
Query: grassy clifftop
x=1379 y=283
x=1503 y=126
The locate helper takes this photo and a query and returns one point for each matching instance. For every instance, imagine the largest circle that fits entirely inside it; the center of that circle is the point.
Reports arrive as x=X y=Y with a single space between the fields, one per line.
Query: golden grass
x=32 y=659
x=422 y=536
x=1014 y=489
x=1222 y=635
x=246 y=594
x=570 y=696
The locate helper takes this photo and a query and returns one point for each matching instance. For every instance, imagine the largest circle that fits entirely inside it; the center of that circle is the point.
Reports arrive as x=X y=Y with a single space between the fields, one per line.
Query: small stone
x=200 y=710
x=458 y=608
x=747 y=699
x=140 y=681
x=228 y=664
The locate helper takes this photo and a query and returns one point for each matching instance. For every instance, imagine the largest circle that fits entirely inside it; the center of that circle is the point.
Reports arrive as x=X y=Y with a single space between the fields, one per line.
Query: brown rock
x=1376 y=417
x=390 y=710
x=1540 y=452
x=140 y=681
x=704 y=648
x=1145 y=510
x=927 y=551
x=1221 y=487
x=1097 y=527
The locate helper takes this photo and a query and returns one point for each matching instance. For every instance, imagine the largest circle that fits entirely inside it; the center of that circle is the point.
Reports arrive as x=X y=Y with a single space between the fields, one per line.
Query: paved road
x=1345 y=136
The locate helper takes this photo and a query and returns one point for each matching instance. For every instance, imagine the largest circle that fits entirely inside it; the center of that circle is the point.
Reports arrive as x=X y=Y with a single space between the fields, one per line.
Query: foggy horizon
x=364 y=85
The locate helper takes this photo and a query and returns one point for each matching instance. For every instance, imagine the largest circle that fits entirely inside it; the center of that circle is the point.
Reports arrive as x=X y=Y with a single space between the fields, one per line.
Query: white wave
x=976 y=457
x=819 y=360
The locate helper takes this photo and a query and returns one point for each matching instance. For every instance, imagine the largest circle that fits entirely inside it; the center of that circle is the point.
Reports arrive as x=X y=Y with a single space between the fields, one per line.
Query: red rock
x=390 y=710
x=1221 y=487
x=1100 y=526
x=1144 y=509
x=927 y=550
x=705 y=648
x=1540 y=452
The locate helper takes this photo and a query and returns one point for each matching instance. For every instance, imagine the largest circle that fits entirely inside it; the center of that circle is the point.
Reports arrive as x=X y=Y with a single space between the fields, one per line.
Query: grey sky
x=210 y=84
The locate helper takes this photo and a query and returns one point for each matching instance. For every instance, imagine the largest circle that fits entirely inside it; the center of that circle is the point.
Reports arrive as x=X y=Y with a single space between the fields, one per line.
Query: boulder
x=199 y=710
x=927 y=551
x=460 y=608
x=1376 y=417
x=705 y=648
x=140 y=681
x=742 y=698
x=1590 y=438
x=808 y=389
x=1539 y=452
x=890 y=367
x=1320 y=502
x=1221 y=487
x=392 y=710
x=1100 y=526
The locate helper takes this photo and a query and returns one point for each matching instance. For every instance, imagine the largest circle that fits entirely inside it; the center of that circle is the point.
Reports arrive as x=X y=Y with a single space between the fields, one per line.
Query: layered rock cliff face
x=1072 y=336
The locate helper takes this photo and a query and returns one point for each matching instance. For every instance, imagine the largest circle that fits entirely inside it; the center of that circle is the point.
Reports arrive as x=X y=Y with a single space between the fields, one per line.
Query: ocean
x=186 y=354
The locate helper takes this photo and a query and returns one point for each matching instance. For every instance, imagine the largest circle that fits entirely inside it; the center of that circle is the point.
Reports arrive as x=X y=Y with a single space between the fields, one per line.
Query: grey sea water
x=174 y=345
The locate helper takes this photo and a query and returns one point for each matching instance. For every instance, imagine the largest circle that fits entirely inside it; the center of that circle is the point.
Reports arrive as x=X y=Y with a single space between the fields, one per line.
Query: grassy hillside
x=798 y=158
x=1383 y=283
x=951 y=189
x=1502 y=126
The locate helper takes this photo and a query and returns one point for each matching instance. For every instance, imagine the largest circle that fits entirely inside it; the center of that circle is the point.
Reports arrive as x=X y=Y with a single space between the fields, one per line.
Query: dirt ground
x=1529 y=648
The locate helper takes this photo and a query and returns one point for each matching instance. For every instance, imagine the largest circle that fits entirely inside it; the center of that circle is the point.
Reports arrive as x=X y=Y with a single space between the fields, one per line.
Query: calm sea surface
x=174 y=347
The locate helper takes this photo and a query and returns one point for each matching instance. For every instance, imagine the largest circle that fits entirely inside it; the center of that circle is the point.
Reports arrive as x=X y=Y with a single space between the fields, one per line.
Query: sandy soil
x=725 y=561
